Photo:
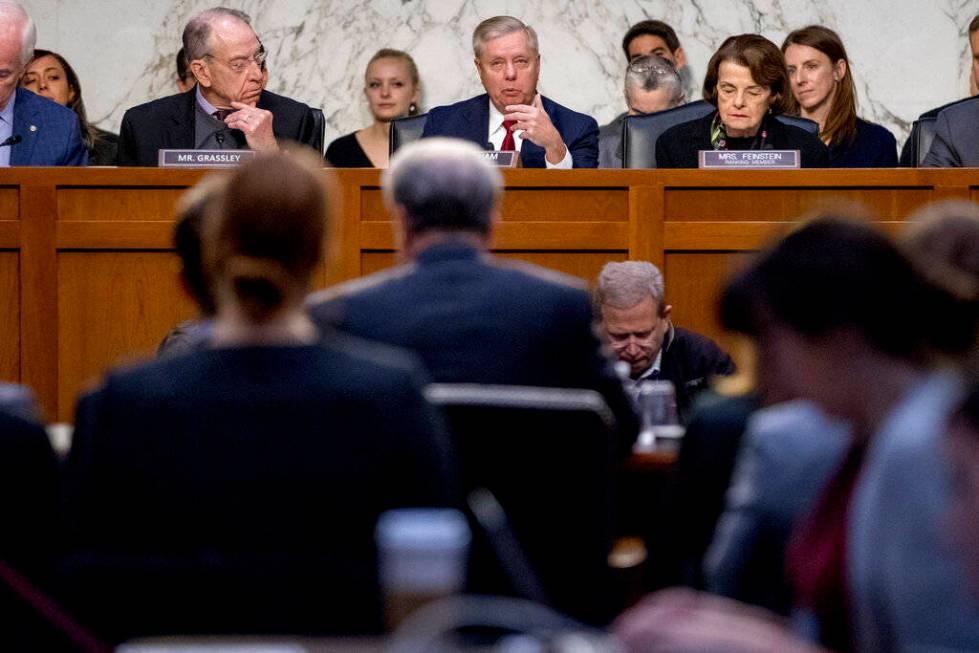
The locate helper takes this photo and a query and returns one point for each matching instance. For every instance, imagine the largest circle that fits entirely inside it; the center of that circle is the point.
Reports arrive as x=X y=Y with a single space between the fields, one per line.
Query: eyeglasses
x=240 y=65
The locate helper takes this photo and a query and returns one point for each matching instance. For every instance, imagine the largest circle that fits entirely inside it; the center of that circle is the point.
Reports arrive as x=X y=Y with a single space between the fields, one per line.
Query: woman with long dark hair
x=50 y=75
x=822 y=88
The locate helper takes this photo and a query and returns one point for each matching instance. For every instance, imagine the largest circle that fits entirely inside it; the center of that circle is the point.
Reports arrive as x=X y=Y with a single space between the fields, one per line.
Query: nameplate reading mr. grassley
x=749 y=159
x=502 y=159
x=204 y=158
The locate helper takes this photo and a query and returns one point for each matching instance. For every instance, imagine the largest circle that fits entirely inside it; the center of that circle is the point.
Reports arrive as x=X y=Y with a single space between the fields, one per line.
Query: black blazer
x=236 y=490
x=473 y=318
x=168 y=123
x=679 y=145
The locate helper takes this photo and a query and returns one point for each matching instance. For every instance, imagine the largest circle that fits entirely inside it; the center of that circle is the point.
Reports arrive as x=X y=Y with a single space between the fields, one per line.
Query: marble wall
x=907 y=55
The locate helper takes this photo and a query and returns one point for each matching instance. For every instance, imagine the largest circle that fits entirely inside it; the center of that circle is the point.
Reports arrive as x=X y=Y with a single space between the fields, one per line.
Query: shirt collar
x=654 y=368
x=495 y=118
x=208 y=108
x=7 y=114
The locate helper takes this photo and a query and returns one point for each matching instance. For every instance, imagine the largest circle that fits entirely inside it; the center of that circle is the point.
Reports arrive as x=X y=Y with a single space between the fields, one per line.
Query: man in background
x=512 y=115
x=651 y=84
x=34 y=131
x=630 y=300
x=228 y=108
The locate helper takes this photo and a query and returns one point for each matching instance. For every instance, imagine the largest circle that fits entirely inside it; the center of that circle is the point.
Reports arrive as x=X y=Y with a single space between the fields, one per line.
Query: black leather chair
x=546 y=454
x=922 y=134
x=810 y=126
x=319 y=130
x=406 y=130
x=639 y=133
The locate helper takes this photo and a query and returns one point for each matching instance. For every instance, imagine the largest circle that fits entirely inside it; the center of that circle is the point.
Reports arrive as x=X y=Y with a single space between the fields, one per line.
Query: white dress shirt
x=497 y=133
x=7 y=129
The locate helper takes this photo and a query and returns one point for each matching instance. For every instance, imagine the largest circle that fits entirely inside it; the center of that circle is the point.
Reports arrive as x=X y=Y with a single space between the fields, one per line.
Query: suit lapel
x=476 y=115
x=26 y=125
x=180 y=132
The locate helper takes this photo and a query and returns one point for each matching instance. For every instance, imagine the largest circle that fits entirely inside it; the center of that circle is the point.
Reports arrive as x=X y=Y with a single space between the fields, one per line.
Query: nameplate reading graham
x=504 y=159
x=204 y=158
x=727 y=159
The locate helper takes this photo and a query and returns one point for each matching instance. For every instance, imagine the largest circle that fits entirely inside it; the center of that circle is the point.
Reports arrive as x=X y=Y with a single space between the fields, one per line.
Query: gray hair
x=650 y=72
x=197 y=33
x=15 y=12
x=625 y=284
x=443 y=184
x=497 y=26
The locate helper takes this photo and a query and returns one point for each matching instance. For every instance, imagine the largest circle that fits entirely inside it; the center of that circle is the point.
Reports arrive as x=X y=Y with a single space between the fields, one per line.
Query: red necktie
x=508 y=144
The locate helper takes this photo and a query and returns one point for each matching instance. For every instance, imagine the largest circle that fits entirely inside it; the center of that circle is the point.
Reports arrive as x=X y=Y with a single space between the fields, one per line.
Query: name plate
x=505 y=159
x=204 y=158
x=779 y=159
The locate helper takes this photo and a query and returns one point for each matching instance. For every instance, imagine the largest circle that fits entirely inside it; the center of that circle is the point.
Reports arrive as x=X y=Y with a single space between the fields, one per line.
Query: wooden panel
x=9 y=317
x=535 y=204
x=112 y=308
x=716 y=204
x=9 y=234
x=693 y=283
x=9 y=202
x=114 y=235
x=584 y=265
x=114 y=204
x=886 y=203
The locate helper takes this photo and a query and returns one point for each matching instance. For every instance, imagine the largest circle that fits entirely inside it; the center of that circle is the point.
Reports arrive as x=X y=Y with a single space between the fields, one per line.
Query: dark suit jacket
x=690 y=360
x=50 y=133
x=956 y=143
x=679 y=145
x=28 y=510
x=168 y=123
x=469 y=120
x=475 y=319
x=236 y=490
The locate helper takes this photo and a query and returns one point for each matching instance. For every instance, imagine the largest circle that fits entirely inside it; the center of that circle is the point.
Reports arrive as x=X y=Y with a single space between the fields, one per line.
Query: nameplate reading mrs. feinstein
x=204 y=158
x=504 y=159
x=727 y=159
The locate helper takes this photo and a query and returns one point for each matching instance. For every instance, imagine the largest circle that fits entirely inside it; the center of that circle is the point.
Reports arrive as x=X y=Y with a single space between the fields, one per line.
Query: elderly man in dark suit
x=34 y=131
x=228 y=109
x=512 y=115
x=471 y=317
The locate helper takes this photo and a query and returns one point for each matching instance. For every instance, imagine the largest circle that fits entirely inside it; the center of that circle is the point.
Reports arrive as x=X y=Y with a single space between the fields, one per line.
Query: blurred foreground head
x=263 y=237
x=838 y=311
x=441 y=188
x=942 y=240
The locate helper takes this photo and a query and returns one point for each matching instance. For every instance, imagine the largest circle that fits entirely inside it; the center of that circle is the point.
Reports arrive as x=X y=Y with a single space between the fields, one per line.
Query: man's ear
x=679 y=58
x=667 y=311
x=201 y=73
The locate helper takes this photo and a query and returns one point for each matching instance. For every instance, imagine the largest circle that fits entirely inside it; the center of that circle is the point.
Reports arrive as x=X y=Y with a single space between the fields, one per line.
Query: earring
x=412 y=109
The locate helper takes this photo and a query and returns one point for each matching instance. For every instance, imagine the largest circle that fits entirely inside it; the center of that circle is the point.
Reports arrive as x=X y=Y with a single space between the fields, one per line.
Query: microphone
x=219 y=137
x=12 y=140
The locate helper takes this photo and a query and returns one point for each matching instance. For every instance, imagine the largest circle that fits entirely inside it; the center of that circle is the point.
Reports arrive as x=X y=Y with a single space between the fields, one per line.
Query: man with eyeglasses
x=630 y=302
x=227 y=109
x=651 y=84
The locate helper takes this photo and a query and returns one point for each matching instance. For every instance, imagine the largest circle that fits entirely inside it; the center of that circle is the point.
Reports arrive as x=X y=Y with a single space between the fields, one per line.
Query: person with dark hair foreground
x=193 y=334
x=49 y=75
x=236 y=489
x=747 y=82
x=827 y=306
x=823 y=90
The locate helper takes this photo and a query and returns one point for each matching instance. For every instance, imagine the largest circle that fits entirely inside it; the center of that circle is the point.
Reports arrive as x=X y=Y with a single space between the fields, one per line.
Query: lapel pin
x=33 y=128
